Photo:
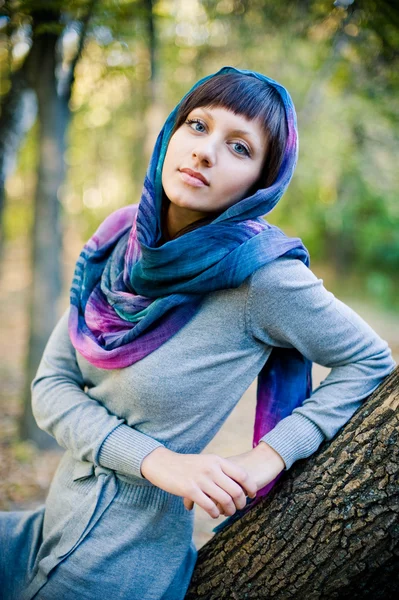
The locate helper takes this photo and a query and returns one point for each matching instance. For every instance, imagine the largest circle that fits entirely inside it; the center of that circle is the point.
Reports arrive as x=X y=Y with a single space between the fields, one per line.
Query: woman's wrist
x=270 y=454
x=270 y=463
x=263 y=463
x=152 y=458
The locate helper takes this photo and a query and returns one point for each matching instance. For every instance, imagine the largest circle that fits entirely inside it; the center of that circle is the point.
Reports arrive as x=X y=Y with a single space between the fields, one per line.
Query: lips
x=195 y=174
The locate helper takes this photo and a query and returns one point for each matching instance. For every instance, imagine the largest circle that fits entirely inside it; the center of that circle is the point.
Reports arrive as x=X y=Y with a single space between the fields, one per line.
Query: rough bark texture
x=47 y=234
x=52 y=95
x=329 y=529
x=17 y=115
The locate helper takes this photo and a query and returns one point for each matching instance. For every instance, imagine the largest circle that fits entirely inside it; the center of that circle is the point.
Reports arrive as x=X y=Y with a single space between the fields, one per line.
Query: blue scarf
x=130 y=294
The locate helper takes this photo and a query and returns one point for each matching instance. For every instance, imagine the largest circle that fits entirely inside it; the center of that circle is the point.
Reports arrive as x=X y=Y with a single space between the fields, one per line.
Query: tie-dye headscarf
x=130 y=294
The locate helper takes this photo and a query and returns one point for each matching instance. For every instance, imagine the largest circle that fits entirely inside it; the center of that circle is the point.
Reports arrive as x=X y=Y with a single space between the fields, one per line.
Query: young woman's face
x=228 y=150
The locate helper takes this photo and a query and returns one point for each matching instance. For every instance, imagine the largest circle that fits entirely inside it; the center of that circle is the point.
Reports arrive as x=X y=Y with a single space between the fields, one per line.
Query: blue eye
x=189 y=121
x=243 y=147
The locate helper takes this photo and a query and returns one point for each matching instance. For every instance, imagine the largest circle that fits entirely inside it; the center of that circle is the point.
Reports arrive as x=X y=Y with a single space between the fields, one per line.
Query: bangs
x=241 y=94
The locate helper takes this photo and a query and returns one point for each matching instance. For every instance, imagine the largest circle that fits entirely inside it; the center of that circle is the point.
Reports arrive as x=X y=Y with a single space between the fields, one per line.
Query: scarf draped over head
x=130 y=294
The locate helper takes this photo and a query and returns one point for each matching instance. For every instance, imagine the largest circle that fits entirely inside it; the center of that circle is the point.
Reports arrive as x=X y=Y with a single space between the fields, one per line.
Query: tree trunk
x=17 y=115
x=329 y=528
x=46 y=235
x=154 y=107
x=54 y=116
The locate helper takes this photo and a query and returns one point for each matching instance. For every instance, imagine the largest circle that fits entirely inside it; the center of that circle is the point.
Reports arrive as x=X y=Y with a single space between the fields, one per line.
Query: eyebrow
x=235 y=131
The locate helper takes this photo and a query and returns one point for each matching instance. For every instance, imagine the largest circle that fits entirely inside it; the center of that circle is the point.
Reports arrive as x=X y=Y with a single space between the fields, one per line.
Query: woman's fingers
x=235 y=496
x=225 y=492
x=241 y=476
x=221 y=488
x=233 y=490
x=220 y=496
x=189 y=504
x=210 y=505
x=203 y=500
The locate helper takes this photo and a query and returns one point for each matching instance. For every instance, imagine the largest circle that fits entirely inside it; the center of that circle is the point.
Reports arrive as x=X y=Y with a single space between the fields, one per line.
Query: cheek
x=169 y=162
x=241 y=178
x=172 y=157
x=253 y=174
x=238 y=182
x=176 y=142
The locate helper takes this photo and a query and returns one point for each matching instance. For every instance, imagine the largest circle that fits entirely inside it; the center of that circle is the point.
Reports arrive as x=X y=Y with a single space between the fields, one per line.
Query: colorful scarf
x=130 y=294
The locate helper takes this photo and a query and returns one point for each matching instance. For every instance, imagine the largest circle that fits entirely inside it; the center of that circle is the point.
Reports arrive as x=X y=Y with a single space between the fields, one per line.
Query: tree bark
x=13 y=128
x=46 y=239
x=17 y=115
x=54 y=118
x=328 y=529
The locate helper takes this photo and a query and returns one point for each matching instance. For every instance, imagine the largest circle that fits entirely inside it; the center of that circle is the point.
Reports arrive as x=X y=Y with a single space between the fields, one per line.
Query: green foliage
x=23 y=451
x=340 y=67
x=18 y=217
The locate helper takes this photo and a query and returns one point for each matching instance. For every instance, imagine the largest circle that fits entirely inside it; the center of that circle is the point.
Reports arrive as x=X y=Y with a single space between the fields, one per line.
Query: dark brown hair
x=252 y=98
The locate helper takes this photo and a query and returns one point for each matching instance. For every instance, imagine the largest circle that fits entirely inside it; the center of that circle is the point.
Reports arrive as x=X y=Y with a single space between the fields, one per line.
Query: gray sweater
x=179 y=395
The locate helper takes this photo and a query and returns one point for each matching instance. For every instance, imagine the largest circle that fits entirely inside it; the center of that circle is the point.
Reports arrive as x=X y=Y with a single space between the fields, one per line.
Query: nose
x=205 y=152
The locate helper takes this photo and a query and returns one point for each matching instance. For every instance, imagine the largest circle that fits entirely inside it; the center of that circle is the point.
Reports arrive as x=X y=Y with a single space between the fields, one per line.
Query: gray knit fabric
x=179 y=396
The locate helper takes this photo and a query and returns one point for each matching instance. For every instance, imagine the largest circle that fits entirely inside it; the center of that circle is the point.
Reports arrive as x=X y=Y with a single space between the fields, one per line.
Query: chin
x=184 y=202
x=189 y=206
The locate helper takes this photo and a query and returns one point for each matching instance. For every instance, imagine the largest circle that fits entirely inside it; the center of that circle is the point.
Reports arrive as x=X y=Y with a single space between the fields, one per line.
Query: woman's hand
x=262 y=464
x=205 y=479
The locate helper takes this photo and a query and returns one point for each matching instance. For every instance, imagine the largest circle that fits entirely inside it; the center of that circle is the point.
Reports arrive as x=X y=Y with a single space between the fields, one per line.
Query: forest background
x=85 y=87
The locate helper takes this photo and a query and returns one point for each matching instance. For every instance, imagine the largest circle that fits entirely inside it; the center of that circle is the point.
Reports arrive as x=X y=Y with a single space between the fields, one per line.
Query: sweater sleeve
x=287 y=307
x=79 y=423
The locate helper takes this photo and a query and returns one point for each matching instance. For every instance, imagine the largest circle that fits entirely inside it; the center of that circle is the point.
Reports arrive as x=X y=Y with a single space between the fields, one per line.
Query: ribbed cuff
x=125 y=448
x=294 y=437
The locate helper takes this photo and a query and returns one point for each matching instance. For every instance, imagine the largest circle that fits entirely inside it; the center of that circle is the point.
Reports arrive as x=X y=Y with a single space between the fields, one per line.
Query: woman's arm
x=79 y=423
x=91 y=433
x=288 y=306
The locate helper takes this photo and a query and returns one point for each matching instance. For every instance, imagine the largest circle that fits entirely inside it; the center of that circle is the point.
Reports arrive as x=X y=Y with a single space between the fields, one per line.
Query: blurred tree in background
x=86 y=85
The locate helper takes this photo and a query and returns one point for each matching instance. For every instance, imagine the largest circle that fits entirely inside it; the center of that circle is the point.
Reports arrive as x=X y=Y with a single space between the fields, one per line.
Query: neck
x=177 y=218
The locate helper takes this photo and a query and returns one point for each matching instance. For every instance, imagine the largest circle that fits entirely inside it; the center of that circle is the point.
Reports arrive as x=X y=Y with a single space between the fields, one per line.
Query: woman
x=176 y=307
